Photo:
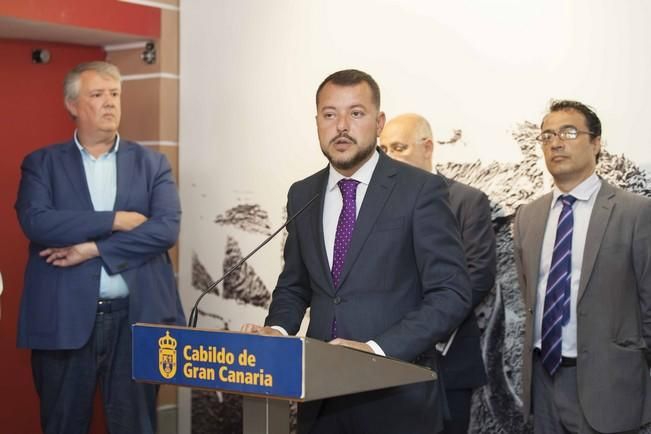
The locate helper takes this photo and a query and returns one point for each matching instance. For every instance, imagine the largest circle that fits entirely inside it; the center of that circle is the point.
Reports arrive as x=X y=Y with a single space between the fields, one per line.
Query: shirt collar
x=363 y=174
x=83 y=150
x=583 y=191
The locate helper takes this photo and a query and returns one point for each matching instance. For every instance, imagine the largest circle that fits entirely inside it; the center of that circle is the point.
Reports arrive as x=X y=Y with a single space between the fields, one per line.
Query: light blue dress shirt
x=101 y=176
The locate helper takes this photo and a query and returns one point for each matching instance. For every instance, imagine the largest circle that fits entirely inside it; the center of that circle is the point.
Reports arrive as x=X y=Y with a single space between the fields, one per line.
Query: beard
x=362 y=154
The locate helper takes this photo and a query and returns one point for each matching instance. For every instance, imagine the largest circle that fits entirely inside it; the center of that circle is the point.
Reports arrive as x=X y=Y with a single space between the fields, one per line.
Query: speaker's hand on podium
x=361 y=346
x=260 y=330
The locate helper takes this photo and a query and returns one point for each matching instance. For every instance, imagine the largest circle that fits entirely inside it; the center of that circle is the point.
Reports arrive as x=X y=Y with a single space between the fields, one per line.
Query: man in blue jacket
x=100 y=214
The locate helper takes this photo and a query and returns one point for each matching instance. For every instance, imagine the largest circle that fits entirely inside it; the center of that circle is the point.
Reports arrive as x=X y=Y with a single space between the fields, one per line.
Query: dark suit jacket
x=613 y=307
x=54 y=208
x=403 y=284
x=463 y=367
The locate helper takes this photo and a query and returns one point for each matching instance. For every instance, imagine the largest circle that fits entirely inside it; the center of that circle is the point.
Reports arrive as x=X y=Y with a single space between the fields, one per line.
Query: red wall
x=31 y=116
x=111 y=15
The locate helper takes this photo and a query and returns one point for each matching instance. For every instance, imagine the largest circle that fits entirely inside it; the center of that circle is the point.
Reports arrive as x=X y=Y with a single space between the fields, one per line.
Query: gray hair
x=71 y=82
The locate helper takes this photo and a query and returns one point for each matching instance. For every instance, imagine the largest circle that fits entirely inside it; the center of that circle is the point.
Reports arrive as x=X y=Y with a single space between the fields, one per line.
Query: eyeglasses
x=564 y=133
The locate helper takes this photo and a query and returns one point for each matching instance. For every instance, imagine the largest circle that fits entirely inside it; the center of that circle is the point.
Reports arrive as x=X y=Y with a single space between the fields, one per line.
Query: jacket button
x=337 y=300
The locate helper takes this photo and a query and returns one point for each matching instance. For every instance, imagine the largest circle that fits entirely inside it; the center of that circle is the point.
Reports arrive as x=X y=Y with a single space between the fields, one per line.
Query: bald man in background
x=408 y=138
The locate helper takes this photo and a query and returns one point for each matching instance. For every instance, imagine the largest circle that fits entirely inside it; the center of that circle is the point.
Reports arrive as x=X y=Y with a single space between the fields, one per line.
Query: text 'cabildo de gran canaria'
x=230 y=370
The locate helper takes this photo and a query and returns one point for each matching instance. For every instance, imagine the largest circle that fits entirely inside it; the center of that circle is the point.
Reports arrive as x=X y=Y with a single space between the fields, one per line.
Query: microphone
x=192 y=321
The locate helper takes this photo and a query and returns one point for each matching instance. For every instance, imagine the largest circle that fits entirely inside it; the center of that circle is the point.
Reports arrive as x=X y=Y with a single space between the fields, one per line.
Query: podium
x=268 y=371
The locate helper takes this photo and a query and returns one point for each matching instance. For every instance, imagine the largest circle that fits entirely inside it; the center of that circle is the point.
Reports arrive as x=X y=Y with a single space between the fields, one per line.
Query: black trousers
x=413 y=409
x=459 y=401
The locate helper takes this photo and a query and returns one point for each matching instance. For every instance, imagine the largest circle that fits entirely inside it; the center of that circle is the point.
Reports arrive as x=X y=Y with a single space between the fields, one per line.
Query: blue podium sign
x=228 y=361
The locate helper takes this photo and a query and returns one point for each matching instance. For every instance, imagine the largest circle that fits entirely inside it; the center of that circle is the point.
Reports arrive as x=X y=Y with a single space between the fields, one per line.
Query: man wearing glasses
x=583 y=256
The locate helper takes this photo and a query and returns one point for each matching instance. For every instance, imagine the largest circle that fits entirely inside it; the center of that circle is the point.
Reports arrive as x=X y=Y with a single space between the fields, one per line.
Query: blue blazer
x=54 y=207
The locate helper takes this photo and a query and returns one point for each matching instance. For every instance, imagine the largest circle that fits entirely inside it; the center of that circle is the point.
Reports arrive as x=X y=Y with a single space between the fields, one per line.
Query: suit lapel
x=74 y=169
x=125 y=168
x=540 y=214
x=379 y=190
x=603 y=207
x=317 y=228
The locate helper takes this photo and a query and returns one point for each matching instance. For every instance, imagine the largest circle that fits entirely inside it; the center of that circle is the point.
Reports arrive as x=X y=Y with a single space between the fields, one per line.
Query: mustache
x=342 y=135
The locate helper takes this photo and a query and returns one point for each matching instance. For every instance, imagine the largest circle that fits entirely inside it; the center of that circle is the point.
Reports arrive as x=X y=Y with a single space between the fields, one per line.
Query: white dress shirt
x=585 y=193
x=334 y=202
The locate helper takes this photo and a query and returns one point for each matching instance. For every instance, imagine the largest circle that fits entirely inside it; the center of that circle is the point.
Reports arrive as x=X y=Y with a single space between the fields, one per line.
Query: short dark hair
x=591 y=119
x=351 y=77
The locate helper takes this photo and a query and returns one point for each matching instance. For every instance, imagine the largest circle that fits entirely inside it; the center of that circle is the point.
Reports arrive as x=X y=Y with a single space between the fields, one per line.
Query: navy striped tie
x=557 y=296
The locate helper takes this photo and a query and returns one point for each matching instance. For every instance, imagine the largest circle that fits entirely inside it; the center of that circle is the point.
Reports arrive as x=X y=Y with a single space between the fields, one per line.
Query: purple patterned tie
x=557 y=296
x=344 y=233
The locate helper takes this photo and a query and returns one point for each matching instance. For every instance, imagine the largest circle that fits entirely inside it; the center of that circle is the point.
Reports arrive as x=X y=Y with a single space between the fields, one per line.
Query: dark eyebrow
x=358 y=106
x=352 y=107
x=561 y=127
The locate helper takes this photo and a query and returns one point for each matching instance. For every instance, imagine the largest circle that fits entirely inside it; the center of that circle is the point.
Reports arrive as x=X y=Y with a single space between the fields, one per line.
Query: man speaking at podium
x=377 y=258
